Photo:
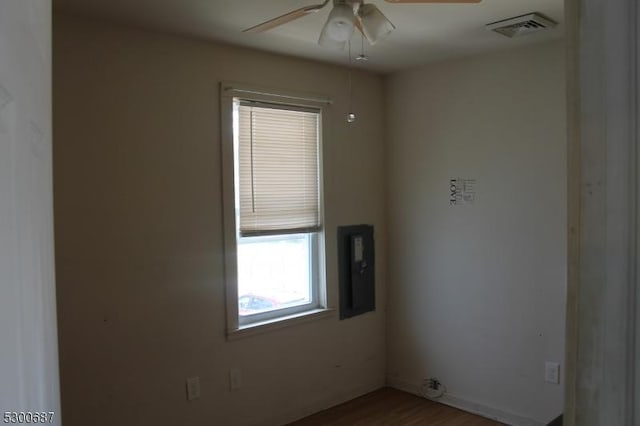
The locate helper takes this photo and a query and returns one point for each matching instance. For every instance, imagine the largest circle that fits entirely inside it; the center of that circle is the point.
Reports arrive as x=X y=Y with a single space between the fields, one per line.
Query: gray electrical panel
x=356 y=261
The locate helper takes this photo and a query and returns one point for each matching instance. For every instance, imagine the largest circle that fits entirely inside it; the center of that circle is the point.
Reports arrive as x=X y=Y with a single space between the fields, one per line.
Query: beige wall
x=477 y=292
x=139 y=234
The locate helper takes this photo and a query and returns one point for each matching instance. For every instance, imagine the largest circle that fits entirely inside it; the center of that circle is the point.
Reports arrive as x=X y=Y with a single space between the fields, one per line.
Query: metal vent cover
x=521 y=25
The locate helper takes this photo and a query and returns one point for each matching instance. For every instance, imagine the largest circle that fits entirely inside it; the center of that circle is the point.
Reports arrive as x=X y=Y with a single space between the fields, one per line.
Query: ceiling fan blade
x=432 y=1
x=287 y=17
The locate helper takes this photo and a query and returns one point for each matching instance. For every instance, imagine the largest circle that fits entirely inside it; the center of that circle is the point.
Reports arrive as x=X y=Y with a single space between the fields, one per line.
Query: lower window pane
x=274 y=273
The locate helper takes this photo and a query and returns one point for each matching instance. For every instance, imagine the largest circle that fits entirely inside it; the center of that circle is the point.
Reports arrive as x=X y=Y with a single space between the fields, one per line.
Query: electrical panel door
x=356 y=257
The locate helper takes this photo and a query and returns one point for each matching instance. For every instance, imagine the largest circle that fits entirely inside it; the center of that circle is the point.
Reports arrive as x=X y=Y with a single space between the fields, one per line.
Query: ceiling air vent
x=521 y=25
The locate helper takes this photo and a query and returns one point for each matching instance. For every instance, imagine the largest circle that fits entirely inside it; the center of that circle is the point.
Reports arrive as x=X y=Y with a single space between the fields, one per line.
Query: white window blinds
x=278 y=169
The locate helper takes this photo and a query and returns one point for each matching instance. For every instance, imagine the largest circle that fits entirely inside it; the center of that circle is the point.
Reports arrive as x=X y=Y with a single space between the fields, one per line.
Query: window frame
x=282 y=317
x=313 y=240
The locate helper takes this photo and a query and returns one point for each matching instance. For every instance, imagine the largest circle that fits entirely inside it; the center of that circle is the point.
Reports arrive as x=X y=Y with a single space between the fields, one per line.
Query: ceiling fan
x=345 y=16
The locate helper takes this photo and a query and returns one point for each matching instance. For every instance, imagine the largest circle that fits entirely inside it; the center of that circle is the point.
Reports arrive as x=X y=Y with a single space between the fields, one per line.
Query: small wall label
x=462 y=191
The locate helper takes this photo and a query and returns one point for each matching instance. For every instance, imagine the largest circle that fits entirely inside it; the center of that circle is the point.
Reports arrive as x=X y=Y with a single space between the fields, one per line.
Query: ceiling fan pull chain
x=351 y=116
x=362 y=56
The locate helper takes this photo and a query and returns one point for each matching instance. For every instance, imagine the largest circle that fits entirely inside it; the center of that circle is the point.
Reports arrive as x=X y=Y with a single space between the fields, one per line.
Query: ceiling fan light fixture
x=339 y=27
x=374 y=24
x=326 y=40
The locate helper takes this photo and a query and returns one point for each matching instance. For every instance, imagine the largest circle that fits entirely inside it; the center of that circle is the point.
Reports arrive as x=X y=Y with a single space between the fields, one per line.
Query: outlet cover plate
x=552 y=373
x=193 y=388
x=235 y=379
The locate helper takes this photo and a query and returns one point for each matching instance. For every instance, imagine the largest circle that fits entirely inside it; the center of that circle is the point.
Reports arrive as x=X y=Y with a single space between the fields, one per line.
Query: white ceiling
x=425 y=32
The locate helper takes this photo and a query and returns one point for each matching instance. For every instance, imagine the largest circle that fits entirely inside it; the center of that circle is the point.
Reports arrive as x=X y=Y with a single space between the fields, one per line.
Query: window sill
x=278 y=323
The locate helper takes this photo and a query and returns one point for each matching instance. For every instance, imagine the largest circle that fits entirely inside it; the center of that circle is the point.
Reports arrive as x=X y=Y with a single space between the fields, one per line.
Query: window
x=273 y=209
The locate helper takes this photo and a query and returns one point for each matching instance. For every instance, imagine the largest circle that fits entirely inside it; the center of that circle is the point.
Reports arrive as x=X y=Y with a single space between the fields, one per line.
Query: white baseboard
x=469 y=406
x=313 y=407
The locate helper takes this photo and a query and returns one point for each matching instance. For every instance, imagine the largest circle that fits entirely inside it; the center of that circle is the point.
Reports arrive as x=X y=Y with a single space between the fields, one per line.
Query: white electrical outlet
x=235 y=379
x=193 y=388
x=552 y=373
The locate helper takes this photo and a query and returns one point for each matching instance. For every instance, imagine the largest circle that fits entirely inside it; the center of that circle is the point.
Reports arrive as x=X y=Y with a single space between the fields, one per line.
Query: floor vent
x=521 y=25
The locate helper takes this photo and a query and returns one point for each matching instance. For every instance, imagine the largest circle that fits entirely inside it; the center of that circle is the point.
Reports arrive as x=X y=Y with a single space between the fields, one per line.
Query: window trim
x=229 y=91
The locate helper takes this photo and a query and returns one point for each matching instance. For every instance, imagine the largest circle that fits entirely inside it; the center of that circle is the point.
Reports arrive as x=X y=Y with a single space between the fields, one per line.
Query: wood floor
x=390 y=407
